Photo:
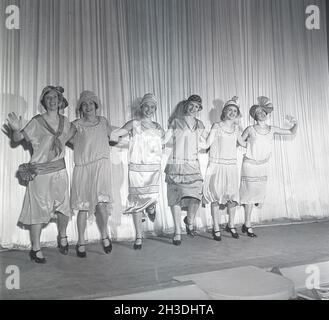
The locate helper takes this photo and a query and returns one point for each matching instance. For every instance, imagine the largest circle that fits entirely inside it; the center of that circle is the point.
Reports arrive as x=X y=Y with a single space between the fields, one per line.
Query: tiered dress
x=183 y=175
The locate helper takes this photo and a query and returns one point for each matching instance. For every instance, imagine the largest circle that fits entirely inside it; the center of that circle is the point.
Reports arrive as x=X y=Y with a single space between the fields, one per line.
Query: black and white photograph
x=173 y=153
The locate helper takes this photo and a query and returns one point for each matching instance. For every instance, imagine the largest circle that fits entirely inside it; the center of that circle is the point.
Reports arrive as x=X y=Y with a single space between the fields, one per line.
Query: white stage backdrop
x=122 y=49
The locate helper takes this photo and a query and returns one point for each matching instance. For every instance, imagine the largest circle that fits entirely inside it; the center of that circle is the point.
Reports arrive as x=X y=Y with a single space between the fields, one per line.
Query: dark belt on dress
x=28 y=171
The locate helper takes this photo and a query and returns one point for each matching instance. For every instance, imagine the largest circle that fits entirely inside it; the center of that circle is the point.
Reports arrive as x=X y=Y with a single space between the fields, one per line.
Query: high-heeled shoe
x=80 y=254
x=189 y=232
x=33 y=257
x=245 y=229
x=62 y=249
x=235 y=234
x=175 y=241
x=137 y=246
x=216 y=236
x=107 y=249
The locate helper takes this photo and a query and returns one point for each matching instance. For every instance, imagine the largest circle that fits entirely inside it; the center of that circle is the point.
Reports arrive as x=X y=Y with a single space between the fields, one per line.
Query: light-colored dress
x=183 y=175
x=145 y=153
x=47 y=193
x=91 y=181
x=254 y=171
x=221 y=183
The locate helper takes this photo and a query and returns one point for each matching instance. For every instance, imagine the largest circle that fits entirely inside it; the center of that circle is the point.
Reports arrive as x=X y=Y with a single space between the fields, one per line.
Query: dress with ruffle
x=145 y=153
x=183 y=174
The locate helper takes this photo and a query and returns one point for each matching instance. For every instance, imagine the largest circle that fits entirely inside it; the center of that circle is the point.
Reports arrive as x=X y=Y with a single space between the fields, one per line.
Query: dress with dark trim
x=48 y=192
x=145 y=153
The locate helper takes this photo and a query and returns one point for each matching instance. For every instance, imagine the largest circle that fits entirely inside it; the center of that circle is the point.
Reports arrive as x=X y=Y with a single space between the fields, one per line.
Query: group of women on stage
x=47 y=192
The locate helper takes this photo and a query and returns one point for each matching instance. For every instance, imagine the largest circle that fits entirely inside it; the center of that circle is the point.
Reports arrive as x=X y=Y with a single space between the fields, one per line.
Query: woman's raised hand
x=14 y=122
x=291 y=119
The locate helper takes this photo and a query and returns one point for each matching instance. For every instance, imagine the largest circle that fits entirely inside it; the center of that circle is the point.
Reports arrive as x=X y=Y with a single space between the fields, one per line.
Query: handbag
x=26 y=172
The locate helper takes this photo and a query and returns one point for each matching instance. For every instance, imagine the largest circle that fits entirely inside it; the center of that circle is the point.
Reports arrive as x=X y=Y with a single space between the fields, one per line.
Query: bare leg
x=176 y=213
x=62 y=242
x=63 y=221
x=102 y=217
x=215 y=216
x=247 y=214
x=35 y=233
x=81 y=223
x=247 y=225
x=231 y=209
x=192 y=209
x=215 y=213
x=137 y=217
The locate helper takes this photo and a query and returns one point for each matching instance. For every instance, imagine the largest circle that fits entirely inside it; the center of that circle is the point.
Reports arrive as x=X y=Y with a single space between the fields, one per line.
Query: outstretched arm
x=211 y=136
x=109 y=128
x=244 y=137
x=168 y=134
x=72 y=133
x=123 y=131
x=290 y=132
x=15 y=124
x=241 y=141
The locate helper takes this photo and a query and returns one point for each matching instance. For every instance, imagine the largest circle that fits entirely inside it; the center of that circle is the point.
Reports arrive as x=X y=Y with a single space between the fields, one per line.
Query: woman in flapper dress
x=254 y=171
x=91 y=183
x=47 y=192
x=145 y=153
x=183 y=175
x=221 y=183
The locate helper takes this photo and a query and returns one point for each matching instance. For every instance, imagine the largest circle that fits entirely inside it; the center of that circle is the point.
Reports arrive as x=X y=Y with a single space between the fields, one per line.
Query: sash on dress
x=28 y=171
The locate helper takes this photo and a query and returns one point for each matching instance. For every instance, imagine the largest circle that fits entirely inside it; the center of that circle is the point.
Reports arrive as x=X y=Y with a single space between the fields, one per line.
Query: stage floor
x=127 y=271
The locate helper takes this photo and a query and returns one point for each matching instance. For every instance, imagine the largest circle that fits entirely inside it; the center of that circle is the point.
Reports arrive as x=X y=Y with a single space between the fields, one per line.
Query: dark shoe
x=138 y=246
x=33 y=256
x=107 y=249
x=189 y=232
x=80 y=254
x=176 y=242
x=62 y=249
x=216 y=236
x=245 y=229
x=151 y=212
x=235 y=234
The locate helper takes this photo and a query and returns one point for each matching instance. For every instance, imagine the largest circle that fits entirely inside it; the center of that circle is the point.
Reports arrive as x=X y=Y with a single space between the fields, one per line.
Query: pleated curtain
x=122 y=49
